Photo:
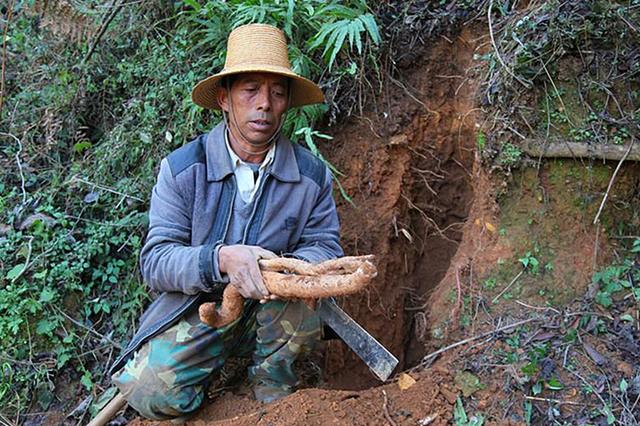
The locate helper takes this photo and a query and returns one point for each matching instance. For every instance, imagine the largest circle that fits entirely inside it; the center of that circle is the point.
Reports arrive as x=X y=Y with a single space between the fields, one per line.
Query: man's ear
x=223 y=99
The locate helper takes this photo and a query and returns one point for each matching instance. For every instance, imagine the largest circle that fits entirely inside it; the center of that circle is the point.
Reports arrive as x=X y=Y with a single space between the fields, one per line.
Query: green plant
x=460 y=416
x=349 y=22
x=481 y=141
x=530 y=263
x=490 y=283
x=528 y=412
x=509 y=155
x=619 y=277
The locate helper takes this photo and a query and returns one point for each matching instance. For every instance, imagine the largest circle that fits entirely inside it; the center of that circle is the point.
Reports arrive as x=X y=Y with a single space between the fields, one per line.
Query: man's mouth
x=260 y=124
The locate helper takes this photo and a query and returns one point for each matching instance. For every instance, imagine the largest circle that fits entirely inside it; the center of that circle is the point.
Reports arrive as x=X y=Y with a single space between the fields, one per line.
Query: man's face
x=255 y=104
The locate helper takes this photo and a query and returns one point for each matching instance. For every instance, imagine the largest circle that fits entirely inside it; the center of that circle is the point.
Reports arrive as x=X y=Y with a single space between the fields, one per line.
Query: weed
x=460 y=416
x=530 y=263
x=619 y=278
x=490 y=283
x=481 y=141
x=509 y=155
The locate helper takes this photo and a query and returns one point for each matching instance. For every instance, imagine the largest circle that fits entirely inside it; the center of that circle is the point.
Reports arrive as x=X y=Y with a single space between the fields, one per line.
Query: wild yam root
x=296 y=279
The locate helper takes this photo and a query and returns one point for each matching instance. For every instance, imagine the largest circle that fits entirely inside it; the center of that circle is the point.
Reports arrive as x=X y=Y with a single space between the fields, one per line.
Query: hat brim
x=303 y=91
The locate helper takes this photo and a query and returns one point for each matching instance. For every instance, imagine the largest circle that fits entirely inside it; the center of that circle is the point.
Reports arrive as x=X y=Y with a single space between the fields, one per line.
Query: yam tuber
x=296 y=279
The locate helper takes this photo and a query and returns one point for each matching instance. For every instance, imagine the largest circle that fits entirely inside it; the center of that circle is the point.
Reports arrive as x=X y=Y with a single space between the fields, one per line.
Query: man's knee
x=288 y=321
x=153 y=396
x=153 y=399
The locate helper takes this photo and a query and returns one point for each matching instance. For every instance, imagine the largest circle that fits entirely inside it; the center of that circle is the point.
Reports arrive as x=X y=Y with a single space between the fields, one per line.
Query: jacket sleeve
x=320 y=239
x=168 y=261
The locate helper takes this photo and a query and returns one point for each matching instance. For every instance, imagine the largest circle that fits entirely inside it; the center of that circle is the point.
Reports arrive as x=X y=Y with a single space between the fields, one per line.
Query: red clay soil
x=427 y=398
x=407 y=165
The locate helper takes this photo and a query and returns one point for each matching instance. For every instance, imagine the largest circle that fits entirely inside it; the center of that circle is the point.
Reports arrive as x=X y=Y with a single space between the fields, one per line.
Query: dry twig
x=24 y=192
x=613 y=178
x=115 y=8
x=104 y=188
x=495 y=47
x=432 y=355
x=385 y=409
x=4 y=53
x=504 y=290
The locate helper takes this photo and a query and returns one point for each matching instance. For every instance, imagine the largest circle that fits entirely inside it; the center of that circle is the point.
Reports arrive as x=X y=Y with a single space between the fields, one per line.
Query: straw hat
x=257 y=48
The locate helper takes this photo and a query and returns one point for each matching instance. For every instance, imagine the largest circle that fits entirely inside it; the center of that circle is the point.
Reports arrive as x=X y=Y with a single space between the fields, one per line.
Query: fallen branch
x=295 y=279
x=567 y=149
x=115 y=8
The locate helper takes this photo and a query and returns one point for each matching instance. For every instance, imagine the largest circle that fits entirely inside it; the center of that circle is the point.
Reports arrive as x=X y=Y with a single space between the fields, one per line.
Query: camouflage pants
x=168 y=375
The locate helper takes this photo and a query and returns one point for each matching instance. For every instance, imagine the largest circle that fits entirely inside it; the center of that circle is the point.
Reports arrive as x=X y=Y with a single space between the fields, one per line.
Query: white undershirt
x=247 y=184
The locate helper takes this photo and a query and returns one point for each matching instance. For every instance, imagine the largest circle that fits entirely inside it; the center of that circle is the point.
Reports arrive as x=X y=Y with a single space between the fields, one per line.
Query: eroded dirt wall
x=408 y=164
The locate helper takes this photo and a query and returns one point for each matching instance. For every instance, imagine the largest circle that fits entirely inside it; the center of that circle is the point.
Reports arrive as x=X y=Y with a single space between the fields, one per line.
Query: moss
x=548 y=213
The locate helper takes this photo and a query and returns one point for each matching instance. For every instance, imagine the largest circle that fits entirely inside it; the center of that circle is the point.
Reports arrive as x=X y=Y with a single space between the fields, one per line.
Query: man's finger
x=258 y=284
x=265 y=254
x=243 y=291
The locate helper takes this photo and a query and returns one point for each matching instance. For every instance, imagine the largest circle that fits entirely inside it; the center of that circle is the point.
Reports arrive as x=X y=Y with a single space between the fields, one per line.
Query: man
x=240 y=193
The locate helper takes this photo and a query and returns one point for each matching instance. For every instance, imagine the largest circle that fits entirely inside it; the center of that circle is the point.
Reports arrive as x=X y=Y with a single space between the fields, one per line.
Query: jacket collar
x=284 y=167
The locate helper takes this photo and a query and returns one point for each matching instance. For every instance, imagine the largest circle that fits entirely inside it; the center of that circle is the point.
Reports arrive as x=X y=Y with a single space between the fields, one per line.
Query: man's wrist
x=222 y=258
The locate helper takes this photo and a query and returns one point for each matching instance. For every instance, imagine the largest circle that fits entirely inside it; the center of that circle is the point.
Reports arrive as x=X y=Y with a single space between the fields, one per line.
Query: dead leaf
x=490 y=227
x=468 y=383
x=406 y=381
x=594 y=354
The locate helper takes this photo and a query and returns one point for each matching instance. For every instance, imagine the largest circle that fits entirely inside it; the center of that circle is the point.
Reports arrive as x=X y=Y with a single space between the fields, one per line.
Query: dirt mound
x=426 y=399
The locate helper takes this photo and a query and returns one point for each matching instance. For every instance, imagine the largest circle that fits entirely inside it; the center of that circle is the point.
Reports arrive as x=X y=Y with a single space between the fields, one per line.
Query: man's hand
x=240 y=262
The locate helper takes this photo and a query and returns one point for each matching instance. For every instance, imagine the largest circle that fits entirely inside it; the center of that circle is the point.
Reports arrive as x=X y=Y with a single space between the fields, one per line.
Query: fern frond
x=372 y=28
x=332 y=35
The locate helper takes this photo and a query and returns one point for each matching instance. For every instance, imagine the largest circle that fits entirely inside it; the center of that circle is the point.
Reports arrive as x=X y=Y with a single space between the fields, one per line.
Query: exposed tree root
x=580 y=150
x=296 y=279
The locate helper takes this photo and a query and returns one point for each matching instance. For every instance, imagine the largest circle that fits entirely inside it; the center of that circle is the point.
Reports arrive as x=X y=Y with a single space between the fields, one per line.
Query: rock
x=400 y=139
x=47 y=221
x=468 y=383
x=449 y=396
x=625 y=368
x=4 y=229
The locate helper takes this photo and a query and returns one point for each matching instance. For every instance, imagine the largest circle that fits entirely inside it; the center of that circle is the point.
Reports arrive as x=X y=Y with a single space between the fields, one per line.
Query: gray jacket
x=294 y=215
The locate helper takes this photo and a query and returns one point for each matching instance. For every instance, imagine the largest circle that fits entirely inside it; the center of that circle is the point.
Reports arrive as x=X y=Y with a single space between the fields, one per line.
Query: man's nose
x=263 y=102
